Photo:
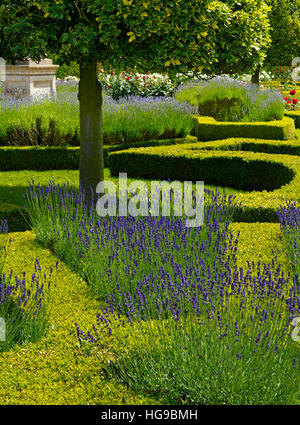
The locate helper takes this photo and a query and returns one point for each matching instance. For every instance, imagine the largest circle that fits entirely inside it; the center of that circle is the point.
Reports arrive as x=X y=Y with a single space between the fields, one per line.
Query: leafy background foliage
x=199 y=35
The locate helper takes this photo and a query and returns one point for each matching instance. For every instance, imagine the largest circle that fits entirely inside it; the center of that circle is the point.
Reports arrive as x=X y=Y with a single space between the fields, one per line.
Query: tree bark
x=91 y=170
x=255 y=77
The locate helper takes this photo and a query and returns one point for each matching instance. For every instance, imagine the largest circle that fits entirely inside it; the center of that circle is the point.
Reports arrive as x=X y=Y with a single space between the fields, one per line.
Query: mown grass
x=13 y=184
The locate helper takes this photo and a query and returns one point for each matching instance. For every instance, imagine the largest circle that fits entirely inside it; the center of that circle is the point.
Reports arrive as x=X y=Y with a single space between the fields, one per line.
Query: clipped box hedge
x=272 y=179
x=295 y=115
x=64 y=158
x=253 y=145
x=206 y=128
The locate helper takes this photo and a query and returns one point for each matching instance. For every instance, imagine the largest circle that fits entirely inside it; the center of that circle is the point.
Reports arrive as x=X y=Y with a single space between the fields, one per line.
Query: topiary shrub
x=207 y=128
x=271 y=178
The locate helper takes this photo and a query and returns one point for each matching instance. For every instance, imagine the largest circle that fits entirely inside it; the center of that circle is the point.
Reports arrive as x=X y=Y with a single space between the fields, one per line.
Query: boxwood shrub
x=253 y=145
x=295 y=115
x=206 y=128
x=271 y=179
x=64 y=158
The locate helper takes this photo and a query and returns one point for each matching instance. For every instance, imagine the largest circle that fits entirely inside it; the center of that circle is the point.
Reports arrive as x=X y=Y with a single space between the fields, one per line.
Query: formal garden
x=143 y=310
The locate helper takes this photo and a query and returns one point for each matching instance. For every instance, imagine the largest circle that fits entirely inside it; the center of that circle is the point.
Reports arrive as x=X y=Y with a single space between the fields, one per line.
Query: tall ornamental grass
x=230 y=100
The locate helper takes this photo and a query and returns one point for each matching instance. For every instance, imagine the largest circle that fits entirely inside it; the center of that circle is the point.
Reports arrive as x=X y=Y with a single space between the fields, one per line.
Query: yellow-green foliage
x=291 y=147
x=272 y=179
x=55 y=370
x=65 y=158
x=260 y=242
x=206 y=128
x=295 y=115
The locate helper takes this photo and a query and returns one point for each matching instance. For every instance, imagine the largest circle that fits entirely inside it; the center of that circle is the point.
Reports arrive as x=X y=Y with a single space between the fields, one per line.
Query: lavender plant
x=229 y=343
x=4 y=242
x=24 y=306
x=54 y=121
x=289 y=217
x=231 y=100
x=117 y=255
x=181 y=320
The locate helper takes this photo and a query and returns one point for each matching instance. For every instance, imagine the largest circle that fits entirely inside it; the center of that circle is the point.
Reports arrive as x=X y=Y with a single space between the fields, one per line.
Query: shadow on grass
x=12 y=207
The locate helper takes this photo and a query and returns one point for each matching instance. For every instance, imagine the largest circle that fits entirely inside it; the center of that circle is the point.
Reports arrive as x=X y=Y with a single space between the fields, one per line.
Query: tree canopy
x=285 y=32
x=174 y=35
x=203 y=36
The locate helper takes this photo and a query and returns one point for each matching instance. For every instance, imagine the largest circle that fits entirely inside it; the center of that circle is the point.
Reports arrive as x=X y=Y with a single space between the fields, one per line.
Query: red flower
x=285 y=98
x=292 y=92
x=109 y=87
x=295 y=101
x=127 y=78
x=288 y=101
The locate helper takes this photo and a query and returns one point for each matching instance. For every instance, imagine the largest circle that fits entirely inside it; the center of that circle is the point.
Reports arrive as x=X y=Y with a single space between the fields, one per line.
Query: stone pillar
x=30 y=79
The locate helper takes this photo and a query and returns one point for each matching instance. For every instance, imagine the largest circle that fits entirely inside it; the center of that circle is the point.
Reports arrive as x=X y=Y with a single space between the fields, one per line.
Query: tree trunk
x=91 y=170
x=255 y=77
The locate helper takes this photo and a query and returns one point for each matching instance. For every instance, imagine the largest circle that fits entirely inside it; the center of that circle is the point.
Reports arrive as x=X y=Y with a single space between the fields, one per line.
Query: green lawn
x=13 y=184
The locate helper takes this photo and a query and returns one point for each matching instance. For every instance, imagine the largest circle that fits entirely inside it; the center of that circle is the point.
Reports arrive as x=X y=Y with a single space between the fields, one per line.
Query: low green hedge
x=272 y=179
x=253 y=145
x=64 y=158
x=295 y=115
x=206 y=128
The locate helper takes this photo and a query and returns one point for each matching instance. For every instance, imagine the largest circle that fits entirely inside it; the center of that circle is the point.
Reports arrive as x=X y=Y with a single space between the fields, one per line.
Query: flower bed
x=53 y=370
x=226 y=99
x=222 y=334
x=54 y=122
